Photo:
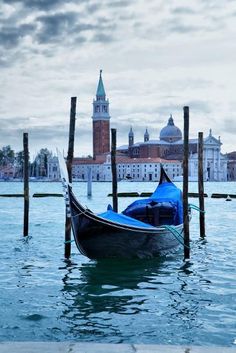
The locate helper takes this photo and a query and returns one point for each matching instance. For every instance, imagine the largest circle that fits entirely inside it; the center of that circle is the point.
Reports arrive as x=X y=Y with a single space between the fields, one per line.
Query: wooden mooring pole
x=89 y=184
x=26 y=184
x=69 y=161
x=185 y=184
x=113 y=168
x=201 y=185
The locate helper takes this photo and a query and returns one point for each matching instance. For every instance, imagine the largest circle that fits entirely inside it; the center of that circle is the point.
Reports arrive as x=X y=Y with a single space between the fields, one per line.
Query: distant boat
x=228 y=198
x=145 y=229
x=127 y=178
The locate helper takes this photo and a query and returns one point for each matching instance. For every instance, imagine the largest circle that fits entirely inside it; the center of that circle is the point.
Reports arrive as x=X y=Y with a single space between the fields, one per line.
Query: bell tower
x=131 y=137
x=101 y=121
x=146 y=136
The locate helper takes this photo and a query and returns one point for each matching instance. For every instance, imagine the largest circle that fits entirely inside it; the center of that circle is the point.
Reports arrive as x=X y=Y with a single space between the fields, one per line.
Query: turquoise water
x=161 y=301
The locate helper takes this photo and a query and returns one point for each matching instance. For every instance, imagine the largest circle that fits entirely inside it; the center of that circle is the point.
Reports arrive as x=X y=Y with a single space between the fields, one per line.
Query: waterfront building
x=141 y=160
x=231 y=166
x=138 y=169
x=7 y=172
x=169 y=146
x=53 y=170
x=214 y=162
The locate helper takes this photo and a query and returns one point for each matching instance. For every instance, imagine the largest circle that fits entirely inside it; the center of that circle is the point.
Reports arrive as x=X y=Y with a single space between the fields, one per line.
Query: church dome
x=170 y=133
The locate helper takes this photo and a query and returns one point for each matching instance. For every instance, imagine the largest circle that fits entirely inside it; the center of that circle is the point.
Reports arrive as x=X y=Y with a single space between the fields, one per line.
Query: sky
x=157 y=56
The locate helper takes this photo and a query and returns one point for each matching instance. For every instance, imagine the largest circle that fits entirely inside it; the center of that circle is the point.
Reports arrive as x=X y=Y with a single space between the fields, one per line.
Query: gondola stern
x=163 y=176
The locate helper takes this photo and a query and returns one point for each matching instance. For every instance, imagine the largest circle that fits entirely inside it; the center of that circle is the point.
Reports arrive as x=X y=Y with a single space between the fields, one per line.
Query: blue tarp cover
x=122 y=219
x=170 y=192
x=165 y=192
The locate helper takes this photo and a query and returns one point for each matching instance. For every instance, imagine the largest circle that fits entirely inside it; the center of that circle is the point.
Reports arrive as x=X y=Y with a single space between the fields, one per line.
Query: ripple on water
x=33 y=317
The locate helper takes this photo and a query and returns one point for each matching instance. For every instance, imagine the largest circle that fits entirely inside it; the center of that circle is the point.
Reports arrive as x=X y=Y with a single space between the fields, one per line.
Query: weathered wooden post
x=201 y=185
x=89 y=185
x=113 y=168
x=69 y=161
x=185 y=184
x=26 y=184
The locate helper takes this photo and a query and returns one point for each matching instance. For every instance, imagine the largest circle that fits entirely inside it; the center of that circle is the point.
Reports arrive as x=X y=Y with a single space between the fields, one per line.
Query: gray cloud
x=119 y=3
x=38 y=4
x=49 y=30
x=92 y=8
x=180 y=10
x=199 y=106
x=13 y=123
x=102 y=37
x=72 y=27
x=40 y=135
x=11 y=36
x=5 y=61
x=182 y=28
x=56 y=26
x=229 y=126
x=61 y=28
x=69 y=27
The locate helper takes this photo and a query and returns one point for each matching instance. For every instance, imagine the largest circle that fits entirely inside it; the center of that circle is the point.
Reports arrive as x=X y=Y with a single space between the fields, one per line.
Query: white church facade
x=214 y=162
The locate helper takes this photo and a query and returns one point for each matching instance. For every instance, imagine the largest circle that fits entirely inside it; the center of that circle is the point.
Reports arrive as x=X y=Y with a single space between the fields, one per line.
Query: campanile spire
x=101 y=94
x=101 y=121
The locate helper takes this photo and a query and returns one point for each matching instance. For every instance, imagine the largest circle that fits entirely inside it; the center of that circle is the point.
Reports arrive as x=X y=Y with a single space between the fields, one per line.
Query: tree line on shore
x=13 y=162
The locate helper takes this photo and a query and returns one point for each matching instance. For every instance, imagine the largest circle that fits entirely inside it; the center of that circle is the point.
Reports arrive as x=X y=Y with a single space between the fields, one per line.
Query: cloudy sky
x=156 y=56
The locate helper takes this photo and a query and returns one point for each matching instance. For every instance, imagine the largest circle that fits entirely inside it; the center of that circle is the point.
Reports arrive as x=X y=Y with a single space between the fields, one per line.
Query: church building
x=141 y=160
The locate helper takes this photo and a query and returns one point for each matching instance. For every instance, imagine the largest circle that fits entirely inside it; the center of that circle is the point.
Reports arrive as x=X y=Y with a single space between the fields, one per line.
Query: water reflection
x=108 y=278
x=107 y=298
x=98 y=296
x=187 y=303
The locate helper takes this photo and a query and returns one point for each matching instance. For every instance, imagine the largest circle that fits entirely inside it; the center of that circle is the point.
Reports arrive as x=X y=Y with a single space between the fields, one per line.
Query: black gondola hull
x=99 y=238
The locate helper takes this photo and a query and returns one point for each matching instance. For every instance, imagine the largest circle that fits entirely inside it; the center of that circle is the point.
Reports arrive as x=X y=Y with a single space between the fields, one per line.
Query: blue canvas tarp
x=122 y=219
x=167 y=195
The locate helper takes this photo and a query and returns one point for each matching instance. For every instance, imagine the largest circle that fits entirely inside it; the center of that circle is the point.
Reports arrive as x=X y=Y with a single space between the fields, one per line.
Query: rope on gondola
x=176 y=234
x=68 y=241
x=194 y=207
x=80 y=213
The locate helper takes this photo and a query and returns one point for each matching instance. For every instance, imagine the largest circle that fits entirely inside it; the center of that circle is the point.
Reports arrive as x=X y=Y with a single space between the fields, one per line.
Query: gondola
x=146 y=228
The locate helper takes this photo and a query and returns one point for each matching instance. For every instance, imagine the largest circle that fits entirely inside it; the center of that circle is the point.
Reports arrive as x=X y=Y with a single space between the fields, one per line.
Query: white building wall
x=53 y=170
x=213 y=170
x=137 y=171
